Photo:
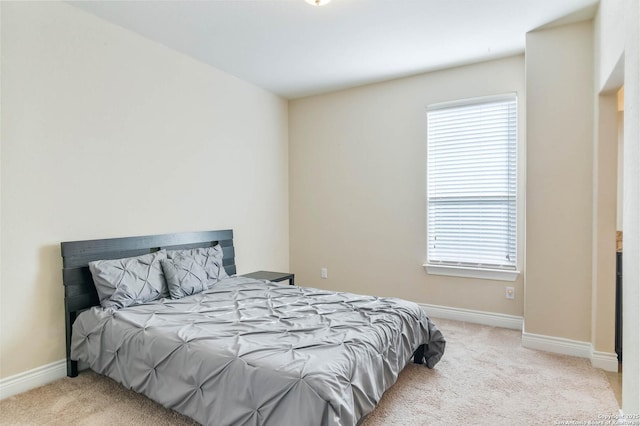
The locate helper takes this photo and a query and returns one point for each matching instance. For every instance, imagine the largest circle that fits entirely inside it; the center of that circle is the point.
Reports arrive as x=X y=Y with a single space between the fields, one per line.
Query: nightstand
x=271 y=276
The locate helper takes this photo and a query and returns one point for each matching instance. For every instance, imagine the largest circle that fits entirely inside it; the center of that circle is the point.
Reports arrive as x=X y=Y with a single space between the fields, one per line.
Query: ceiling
x=294 y=49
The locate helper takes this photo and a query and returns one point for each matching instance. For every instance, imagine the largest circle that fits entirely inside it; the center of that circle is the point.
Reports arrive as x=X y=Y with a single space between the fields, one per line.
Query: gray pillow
x=184 y=276
x=209 y=258
x=129 y=281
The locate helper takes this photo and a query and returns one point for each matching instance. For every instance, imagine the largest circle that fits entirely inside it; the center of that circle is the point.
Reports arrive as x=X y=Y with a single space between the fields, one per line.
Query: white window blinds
x=471 y=183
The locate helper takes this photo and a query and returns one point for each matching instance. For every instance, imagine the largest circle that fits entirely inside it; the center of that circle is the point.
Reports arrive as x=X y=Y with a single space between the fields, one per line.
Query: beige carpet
x=485 y=378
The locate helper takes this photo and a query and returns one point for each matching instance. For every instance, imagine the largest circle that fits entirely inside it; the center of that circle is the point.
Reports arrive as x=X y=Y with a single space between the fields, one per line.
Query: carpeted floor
x=484 y=378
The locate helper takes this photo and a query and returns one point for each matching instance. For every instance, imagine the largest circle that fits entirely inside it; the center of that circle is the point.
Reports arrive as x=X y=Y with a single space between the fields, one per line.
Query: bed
x=242 y=351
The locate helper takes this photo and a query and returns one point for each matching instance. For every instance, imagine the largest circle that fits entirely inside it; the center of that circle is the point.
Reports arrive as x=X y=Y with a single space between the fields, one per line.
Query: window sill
x=459 y=271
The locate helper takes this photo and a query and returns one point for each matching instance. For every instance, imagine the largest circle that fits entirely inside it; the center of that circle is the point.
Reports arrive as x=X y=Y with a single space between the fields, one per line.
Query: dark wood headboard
x=79 y=289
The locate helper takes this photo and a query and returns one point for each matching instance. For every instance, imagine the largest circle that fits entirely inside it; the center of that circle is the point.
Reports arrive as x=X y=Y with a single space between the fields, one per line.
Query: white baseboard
x=556 y=345
x=604 y=360
x=31 y=379
x=476 y=317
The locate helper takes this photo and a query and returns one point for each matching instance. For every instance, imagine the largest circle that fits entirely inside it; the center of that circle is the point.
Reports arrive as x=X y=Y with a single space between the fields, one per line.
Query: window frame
x=465 y=270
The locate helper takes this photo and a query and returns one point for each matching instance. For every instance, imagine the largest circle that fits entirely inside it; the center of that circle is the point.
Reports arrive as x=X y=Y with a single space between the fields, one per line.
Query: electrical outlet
x=509 y=293
x=323 y=272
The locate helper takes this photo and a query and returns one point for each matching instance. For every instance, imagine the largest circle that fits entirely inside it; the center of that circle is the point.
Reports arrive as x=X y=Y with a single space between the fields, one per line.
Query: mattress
x=250 y=352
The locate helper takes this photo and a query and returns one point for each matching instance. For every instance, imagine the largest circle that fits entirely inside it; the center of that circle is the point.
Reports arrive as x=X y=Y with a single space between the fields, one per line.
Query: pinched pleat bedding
x=249 y=352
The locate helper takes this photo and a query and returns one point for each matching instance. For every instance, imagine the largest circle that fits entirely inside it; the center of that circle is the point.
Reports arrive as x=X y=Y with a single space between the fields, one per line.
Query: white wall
x=559 y=67
x=631 y=213
x=107 y=134
x=605 y=205
x=611 y=36
x=358 y=187
x=617 y=60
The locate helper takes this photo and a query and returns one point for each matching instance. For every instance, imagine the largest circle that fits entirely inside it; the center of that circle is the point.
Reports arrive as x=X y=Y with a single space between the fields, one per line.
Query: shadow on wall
x=33 y=328
x=51 y=311
x=41 y=335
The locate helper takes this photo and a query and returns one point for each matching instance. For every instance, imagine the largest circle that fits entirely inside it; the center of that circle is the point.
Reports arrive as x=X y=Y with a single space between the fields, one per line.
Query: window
x=471 y=188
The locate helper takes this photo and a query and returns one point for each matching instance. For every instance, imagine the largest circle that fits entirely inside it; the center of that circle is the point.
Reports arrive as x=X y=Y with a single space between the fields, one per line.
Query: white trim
x=31 y=379
x=556 y=345
x=477 y=317
x=473 y=101
x=608 y=361
x=604 y=360
x=466 y=272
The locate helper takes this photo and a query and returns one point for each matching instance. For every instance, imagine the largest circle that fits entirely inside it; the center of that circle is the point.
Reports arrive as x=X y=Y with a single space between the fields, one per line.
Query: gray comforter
x=249 y=352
